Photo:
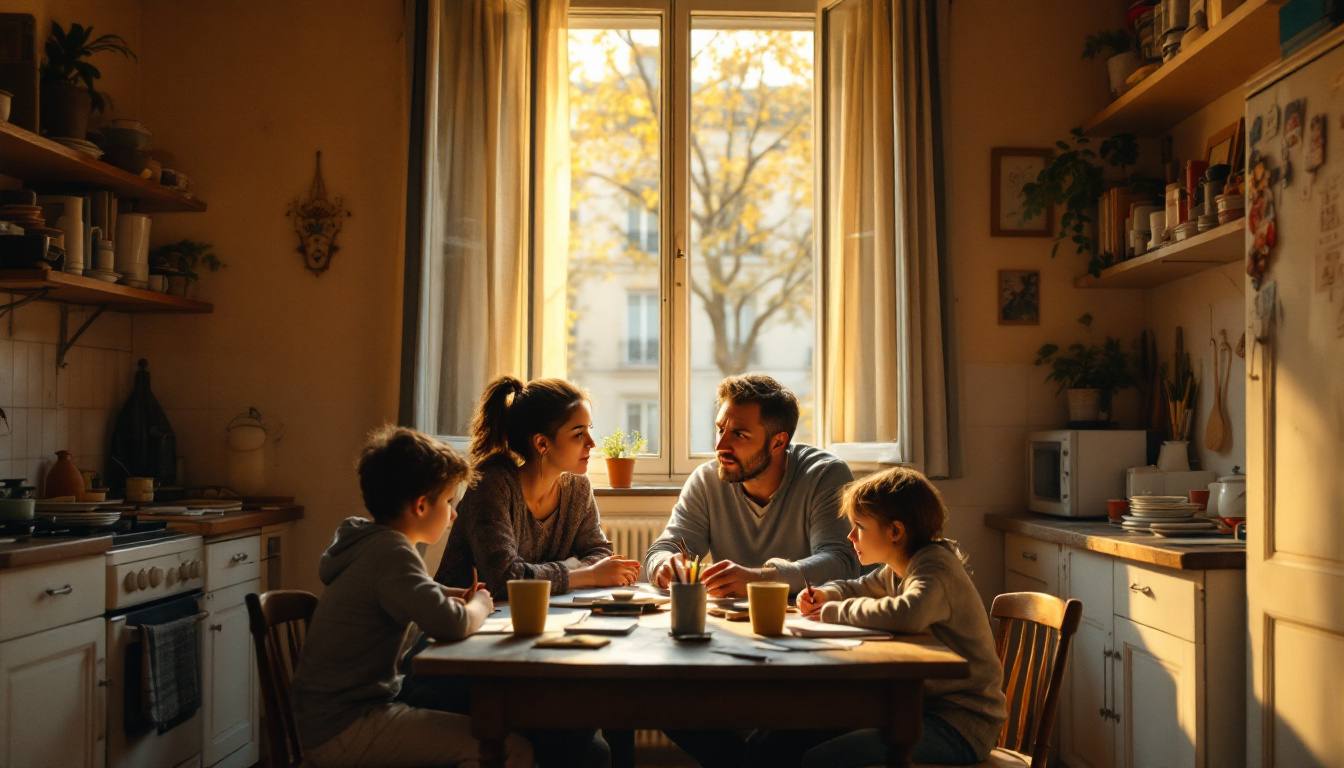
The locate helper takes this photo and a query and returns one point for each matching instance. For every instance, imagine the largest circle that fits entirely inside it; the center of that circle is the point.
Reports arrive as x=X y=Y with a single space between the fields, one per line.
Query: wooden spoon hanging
x=1216 y=429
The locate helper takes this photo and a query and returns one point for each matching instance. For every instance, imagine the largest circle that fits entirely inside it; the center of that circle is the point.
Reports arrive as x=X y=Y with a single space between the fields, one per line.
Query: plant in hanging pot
x=179 y=262
x=1090 y=373
x=68 y=96
x=1121 y=58
x=620 y=451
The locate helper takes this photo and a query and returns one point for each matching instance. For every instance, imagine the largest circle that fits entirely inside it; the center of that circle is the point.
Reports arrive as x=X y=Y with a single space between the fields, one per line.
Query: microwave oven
x=1071 y=473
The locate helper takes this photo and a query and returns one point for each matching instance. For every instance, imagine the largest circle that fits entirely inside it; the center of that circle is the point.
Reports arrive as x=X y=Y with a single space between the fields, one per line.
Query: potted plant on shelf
x=1092 y=375
x=68 y=96
x=179 y=262
x=620 y=452
x=1121 y=58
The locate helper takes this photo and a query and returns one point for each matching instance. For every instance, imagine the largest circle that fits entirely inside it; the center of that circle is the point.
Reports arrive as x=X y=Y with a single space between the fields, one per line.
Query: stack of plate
x=73 y=514
x=79 y=145
x=1165 y=515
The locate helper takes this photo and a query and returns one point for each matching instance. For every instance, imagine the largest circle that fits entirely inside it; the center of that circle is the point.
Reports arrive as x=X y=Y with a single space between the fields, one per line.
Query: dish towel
x=171 y=673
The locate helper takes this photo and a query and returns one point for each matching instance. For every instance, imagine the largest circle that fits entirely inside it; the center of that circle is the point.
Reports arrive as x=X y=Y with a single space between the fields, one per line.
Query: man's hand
x=728 y=579
x=663 y=576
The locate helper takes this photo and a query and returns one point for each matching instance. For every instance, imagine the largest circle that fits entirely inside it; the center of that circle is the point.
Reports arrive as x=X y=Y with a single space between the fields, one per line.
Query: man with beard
x=765 y=506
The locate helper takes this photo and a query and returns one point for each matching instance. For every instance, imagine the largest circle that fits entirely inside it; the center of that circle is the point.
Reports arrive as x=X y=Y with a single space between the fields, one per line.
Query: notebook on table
x=809 y=628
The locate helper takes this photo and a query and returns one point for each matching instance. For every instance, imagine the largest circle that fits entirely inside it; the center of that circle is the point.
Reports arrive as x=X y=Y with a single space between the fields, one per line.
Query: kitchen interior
x=1208 y=651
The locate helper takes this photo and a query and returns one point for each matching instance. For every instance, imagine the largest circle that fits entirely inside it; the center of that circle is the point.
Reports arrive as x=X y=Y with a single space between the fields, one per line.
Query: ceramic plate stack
x=73 y=514
x=79 y=145
x=1152 y=513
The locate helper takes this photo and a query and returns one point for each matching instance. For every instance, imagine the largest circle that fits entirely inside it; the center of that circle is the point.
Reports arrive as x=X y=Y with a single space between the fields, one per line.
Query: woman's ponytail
x=489 y=425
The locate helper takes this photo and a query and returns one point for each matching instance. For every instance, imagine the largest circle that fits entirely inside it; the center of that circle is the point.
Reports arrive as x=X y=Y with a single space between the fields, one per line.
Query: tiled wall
x=73 y=408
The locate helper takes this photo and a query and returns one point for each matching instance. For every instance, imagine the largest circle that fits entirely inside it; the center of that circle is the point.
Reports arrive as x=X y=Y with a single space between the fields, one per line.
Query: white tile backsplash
x=73 y=408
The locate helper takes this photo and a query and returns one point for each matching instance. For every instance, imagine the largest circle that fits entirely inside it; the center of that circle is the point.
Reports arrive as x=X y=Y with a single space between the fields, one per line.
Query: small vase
x=64 y=478
x=1175 y=456
x=1084 y=404
x=620 y=472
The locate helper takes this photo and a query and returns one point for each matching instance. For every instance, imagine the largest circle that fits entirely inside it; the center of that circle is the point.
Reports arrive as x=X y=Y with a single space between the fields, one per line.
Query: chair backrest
x=1032 y=633
x=279 y=621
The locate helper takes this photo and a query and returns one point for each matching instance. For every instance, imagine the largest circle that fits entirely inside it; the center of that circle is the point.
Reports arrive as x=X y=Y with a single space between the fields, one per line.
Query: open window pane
x=612 y=285
x=751 y=229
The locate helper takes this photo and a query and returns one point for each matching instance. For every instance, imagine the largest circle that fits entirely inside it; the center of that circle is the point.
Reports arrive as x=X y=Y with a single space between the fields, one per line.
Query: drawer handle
x=1143 y=590
x=1028 y=555
x=240 y=557
x=67 y=589
x=216 y=627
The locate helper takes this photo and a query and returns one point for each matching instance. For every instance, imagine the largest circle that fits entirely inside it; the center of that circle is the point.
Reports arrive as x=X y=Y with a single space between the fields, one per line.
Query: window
x=719 y=217
x=641 y=328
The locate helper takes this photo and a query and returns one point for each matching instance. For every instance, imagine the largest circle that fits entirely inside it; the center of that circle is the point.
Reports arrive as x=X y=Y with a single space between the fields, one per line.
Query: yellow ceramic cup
x=528 y=599
x=767 y=602
x=140 y=489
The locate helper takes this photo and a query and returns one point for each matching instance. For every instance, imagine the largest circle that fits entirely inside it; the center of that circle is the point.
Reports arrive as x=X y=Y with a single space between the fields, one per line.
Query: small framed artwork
x=1225 y=146
x=1019 y=297
x=1010 y=169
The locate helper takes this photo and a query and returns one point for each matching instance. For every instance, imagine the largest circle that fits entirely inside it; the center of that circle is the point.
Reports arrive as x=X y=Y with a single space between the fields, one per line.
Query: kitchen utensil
x=1215 y=432
x=1231 y=491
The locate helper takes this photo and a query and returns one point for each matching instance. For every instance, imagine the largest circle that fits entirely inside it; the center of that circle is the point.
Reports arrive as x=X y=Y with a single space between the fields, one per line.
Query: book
x=809 y=628
x=603 y=625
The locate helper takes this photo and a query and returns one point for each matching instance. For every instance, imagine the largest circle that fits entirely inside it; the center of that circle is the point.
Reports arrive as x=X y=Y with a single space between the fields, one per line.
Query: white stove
x=139 y=573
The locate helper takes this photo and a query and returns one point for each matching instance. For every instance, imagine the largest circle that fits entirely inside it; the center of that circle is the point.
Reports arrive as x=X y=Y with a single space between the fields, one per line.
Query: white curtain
x=886 y=378
x=473 y=292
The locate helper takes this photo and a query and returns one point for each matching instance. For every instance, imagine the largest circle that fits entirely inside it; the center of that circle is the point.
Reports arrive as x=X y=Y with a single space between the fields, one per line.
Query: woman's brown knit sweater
x=496 y=533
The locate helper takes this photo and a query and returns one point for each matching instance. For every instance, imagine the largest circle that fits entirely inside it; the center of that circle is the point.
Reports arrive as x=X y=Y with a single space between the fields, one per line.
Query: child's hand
x=482 y=598
x=614 y=571
x=810 y=601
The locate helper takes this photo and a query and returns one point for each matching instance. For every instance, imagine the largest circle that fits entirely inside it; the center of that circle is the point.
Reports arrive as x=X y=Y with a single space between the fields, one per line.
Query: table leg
x=899 y=755
x=906 y=728
x=487 y=723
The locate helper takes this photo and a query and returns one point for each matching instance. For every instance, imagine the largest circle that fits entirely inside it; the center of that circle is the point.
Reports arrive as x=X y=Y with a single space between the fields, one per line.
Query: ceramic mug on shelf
x=132 y=252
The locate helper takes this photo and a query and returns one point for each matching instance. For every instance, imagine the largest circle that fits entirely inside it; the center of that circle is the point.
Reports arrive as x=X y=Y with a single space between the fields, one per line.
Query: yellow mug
x=767 y=602
x=140 y=489
x=528 y=601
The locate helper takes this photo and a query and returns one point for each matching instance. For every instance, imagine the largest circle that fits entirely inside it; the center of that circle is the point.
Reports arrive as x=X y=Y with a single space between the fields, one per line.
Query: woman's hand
x=613 y=571
x=810 y=602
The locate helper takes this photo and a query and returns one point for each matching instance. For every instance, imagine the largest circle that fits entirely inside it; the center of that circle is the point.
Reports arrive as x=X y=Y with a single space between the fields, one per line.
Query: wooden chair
x=279 y=620
x=1032 y=634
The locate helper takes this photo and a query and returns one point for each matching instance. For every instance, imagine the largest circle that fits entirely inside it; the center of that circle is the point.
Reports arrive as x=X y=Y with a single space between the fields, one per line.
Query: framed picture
x=1019 y=297
x=1225 y=145
x=1010 y=169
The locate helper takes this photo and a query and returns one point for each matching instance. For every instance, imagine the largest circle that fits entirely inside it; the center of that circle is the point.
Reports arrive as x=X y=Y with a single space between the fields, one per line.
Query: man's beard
x=749 y=468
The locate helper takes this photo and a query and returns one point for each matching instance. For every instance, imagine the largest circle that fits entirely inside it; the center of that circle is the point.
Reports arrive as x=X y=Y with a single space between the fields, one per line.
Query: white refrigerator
x=1295 y=409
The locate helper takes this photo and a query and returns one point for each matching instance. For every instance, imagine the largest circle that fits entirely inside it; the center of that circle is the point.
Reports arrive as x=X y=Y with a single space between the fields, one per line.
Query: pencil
x=810 y=594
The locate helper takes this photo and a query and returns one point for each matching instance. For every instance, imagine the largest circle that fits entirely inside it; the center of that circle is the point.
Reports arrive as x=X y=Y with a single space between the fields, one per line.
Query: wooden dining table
x=647 y=679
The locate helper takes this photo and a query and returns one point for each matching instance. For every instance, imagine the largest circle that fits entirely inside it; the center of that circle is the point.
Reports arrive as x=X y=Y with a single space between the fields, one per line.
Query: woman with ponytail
x=532 y=514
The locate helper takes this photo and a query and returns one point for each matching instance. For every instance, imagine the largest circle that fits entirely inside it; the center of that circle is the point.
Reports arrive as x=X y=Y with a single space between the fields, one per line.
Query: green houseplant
x=1121 y=58
x=180 y=261
x=1074 y=180
x=68 y=95
x=620 y=451
x=1090 y=373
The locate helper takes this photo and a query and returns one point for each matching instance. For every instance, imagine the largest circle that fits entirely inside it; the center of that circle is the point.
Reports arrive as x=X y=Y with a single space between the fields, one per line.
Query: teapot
x=1227 y=497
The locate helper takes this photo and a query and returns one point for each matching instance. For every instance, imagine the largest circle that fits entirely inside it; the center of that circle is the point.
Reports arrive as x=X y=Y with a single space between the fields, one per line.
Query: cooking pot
x=1227 y=497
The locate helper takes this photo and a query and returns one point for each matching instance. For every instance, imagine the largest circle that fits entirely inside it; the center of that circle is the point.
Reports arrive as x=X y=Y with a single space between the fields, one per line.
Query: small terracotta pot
x=1116 y=509
x=1200 y=496
x=64 y=478
x=620 y=472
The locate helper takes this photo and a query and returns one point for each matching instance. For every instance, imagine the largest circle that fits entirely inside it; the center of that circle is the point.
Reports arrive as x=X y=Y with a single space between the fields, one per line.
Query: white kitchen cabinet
x=230 y=710
x=53 y=704
x=1155 y=674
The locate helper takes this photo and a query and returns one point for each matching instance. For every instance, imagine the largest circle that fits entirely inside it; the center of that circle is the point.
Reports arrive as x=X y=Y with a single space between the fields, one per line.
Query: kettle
x=1227 y=497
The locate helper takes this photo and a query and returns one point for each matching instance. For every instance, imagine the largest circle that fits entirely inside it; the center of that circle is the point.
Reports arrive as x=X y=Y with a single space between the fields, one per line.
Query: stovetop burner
x=126 y=532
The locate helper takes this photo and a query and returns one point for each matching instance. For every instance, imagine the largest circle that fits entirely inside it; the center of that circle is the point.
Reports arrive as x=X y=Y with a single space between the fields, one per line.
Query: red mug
x=1116 y=509
x=1200 y=496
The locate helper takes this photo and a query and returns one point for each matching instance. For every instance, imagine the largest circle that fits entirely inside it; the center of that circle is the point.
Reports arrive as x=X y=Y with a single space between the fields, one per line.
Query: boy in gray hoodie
x=346 y=682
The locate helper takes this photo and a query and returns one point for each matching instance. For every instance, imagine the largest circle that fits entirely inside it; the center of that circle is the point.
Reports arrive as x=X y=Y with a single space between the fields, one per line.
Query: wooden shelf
x=41 y=162
x=1222 y=245
x=1226 y=56
x=77 y=289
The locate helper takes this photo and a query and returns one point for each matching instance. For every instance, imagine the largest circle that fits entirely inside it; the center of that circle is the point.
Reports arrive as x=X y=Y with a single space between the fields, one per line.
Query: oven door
x=1048 y=477
x=137 y=745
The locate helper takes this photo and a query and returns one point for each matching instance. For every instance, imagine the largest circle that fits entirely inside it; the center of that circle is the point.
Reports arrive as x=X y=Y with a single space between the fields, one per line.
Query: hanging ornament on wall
x=317 y=221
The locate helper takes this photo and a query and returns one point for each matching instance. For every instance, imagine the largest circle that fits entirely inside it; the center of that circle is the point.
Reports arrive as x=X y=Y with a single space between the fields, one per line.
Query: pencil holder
x=688 y=608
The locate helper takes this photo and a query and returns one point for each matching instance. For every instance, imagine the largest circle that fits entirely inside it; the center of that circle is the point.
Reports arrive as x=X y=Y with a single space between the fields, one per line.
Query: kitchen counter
x=46 y=550
x=228 y=522
x=1101 y=536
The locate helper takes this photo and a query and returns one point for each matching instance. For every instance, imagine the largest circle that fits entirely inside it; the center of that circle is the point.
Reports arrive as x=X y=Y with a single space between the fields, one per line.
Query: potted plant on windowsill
x=620 y=452
x=1121 y=58
x=1090 y=373
x=179 y=262
x=68 y=96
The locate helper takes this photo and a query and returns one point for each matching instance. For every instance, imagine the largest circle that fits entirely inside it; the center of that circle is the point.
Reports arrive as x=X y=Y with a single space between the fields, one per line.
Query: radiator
x=631 y=535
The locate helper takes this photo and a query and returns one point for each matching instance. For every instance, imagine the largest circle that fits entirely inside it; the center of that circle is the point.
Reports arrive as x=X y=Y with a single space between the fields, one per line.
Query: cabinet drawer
x=1159 y=598
x=232 y=562
x=1037 y=560
x=50 y=595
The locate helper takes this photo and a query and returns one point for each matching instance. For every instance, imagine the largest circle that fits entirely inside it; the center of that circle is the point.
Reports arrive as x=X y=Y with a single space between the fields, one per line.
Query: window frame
x=674 y=17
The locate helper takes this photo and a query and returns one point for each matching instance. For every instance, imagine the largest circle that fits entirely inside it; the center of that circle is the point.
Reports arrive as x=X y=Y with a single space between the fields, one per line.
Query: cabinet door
x=53 y=707
x=1087 y=727
x=229 y=672
x=1157 y=694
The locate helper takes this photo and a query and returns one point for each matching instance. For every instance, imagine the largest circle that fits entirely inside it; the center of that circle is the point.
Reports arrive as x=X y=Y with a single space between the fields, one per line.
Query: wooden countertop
x=1101 y=536
x=52 y=549
x=228 y=522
